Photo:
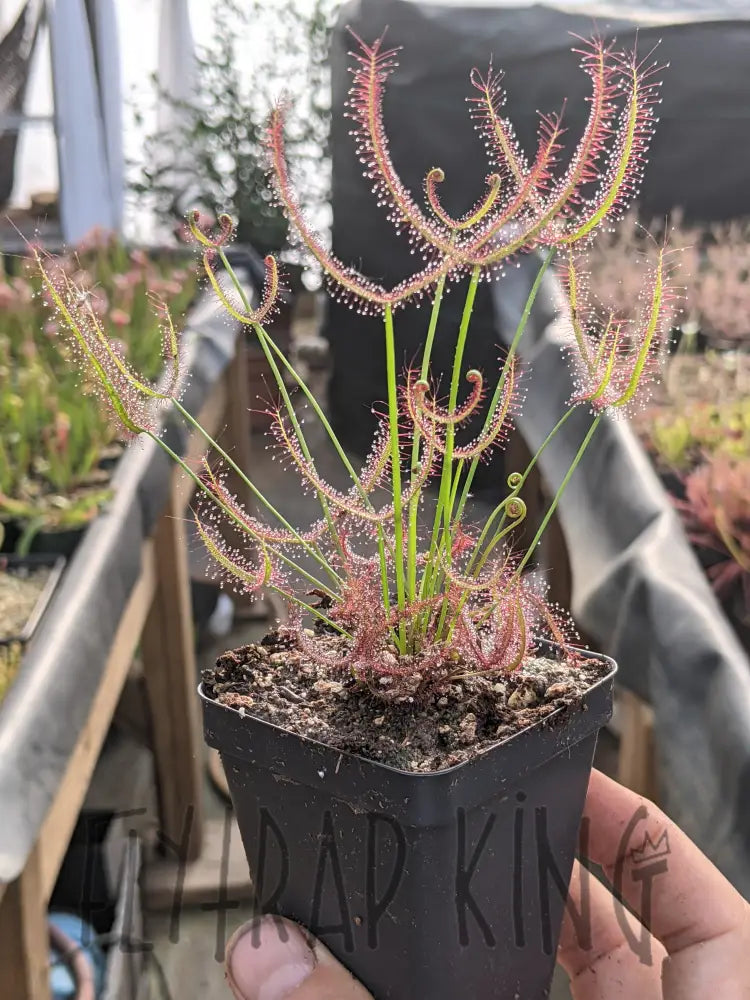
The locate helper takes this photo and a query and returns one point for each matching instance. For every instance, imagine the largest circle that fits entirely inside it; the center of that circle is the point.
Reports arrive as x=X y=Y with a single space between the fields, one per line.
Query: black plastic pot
x=427 y=886
x=60 y=543
x=10 y=535
x=45 y=541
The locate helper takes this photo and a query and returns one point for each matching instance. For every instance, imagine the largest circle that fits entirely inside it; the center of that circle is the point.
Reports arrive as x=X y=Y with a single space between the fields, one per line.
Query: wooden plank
x=61 y=819
x=636 y=765
x=167 y=651
x=24 y=941
x=158 y=612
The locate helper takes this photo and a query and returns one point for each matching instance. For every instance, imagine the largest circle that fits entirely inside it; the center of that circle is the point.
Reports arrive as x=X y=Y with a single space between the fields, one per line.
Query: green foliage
x=223 y=127
x=53 y=427
x=683 y=434
x=716 y=515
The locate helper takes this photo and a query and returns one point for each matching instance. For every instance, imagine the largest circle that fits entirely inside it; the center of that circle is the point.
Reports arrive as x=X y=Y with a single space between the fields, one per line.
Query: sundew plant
x=404 y=607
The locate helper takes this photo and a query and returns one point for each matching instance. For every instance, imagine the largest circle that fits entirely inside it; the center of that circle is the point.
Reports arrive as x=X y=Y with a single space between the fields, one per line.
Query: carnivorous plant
x=404 y=607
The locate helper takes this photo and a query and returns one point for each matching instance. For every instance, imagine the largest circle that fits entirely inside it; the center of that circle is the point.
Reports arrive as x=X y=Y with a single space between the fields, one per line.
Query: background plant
x=257 y=49
x=405 y=600
x=716 y=512
x=682 y=435
x=53 y=428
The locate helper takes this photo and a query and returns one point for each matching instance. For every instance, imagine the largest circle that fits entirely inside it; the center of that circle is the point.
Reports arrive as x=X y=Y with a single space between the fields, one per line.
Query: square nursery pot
x=428 y=886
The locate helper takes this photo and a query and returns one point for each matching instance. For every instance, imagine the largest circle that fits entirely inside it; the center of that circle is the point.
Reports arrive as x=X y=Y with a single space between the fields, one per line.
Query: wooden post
x=637 y=762
x=24 y=940
x=171 y=677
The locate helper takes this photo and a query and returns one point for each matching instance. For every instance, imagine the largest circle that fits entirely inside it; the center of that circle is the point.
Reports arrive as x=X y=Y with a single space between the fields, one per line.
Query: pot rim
x=545 y=723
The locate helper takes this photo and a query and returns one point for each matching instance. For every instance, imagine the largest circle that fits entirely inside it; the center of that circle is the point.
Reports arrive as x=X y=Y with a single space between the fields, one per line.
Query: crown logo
x=650 y=850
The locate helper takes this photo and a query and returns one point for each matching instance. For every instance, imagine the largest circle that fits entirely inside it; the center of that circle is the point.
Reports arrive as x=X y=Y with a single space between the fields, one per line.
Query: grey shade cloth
x=639 y=591
x=50 y=700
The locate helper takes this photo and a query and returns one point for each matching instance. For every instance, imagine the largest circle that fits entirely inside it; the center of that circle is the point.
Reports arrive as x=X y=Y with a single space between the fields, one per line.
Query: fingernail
x=268 y=959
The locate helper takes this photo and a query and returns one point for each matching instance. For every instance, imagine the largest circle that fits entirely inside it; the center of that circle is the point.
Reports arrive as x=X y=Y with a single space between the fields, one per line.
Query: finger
x=275 y=959
x=703 y=923
x=596 y=946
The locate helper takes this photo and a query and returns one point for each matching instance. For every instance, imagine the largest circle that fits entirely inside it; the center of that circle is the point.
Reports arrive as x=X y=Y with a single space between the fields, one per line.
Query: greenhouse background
x=146 y=214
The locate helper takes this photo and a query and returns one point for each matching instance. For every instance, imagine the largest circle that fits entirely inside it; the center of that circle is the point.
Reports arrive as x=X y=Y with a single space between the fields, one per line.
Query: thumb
x=274 y=959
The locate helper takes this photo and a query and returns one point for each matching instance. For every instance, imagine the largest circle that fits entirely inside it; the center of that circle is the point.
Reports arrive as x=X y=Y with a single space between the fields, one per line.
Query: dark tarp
x=638 y=591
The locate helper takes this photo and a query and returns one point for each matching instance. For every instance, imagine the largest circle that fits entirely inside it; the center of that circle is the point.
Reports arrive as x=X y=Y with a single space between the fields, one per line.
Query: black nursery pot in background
x=427 y=886
x=44 y=542
x=60 y=543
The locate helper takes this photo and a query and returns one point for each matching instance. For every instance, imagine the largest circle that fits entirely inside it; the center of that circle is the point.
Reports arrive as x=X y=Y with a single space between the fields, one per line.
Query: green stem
x=446 y=482
x=178 y=460
x=442 y=511
x=398 y=520
x=501 y=509
x=411 y=561
x=520 y=329
x=316 y=612
x=502 y=532
x=268 y=344
x=267 y=340
x=310 y=549
x=527 y=472
x=317 y=410
x=553 y=506
x=498 y=537
x=320 y=414
x=264 y=340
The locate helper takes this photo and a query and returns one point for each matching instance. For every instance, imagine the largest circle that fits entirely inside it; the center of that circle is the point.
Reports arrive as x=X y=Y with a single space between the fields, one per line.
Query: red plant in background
x=716 y=512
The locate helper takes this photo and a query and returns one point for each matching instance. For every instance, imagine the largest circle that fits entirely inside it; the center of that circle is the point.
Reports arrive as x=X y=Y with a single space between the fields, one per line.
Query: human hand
x=700 y=926
x=275 y=959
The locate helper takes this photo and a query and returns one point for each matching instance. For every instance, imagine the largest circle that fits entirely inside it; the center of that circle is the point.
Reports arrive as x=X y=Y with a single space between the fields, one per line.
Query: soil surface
x=428 y=733
x=19 y=592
